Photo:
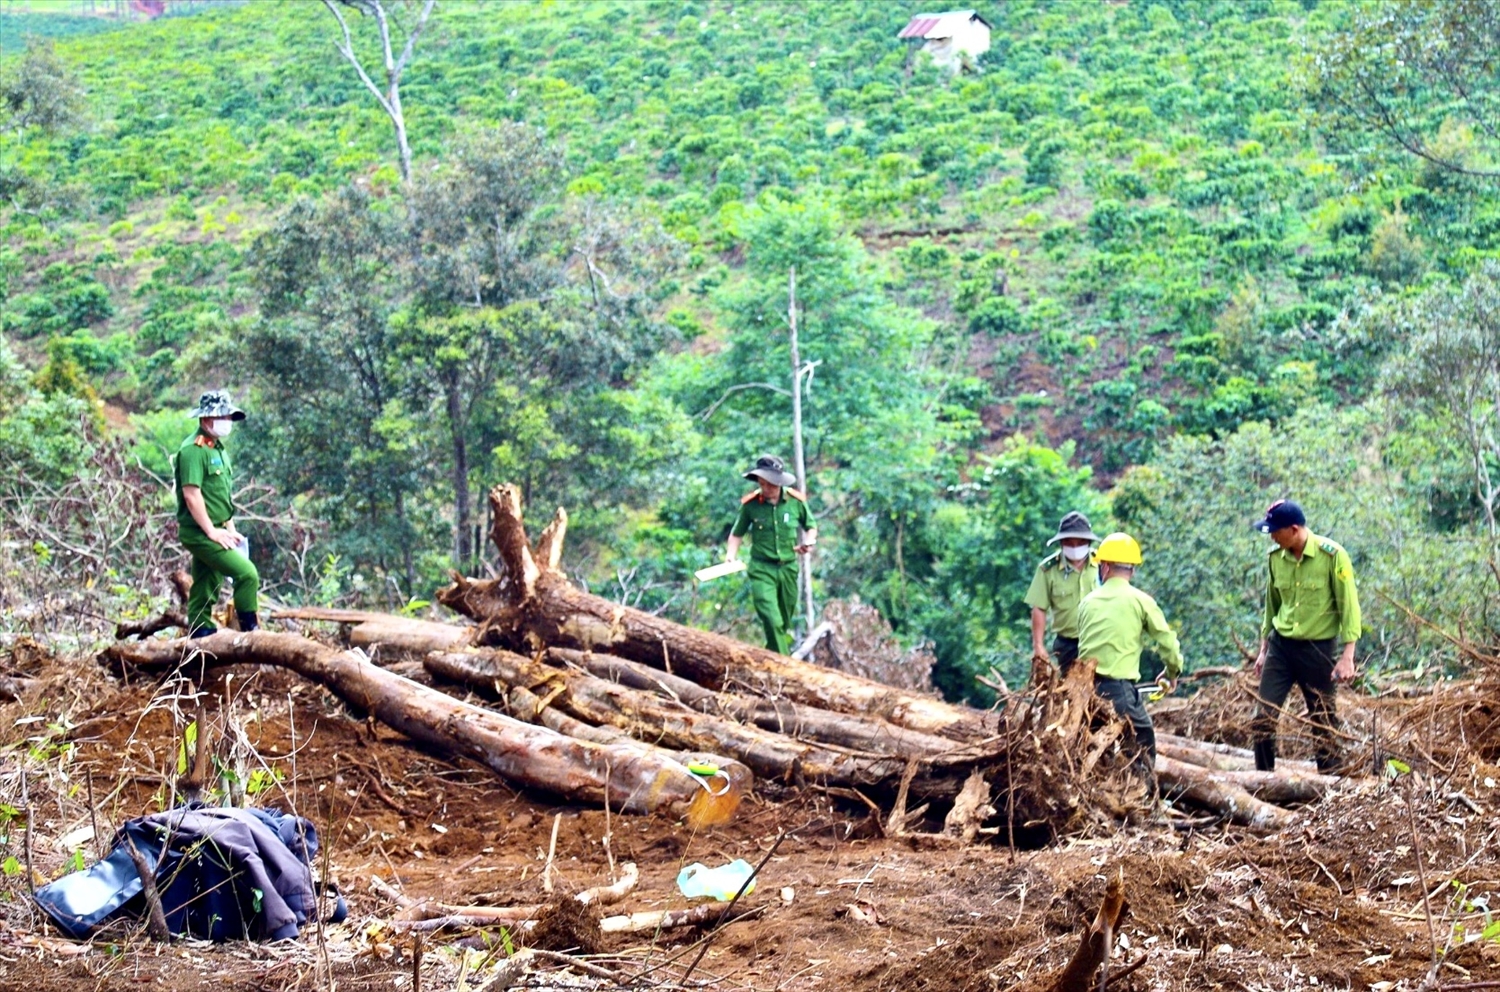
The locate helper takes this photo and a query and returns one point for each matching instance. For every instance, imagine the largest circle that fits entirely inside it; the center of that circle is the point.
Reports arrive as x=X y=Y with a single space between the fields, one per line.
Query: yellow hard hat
x=1118 y=548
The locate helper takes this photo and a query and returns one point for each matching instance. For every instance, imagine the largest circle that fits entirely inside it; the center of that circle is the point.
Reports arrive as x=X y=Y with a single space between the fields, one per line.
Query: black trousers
x=1126 y=699
x=1065 y=651
x=1309 y=666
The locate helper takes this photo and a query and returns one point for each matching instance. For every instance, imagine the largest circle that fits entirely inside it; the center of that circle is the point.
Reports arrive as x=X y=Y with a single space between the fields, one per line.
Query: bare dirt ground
x=1336 y=903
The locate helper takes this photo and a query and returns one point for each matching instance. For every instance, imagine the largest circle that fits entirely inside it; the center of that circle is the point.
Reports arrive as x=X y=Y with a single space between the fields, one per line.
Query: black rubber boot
x=1265 y=756
x=203 y=631
x=248 y=620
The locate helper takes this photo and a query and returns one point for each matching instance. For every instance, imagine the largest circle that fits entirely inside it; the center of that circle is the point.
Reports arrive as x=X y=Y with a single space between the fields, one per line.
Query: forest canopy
x=1162 y=262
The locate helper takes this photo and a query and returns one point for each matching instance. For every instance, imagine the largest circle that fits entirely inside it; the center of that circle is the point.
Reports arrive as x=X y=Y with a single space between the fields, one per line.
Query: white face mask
x=1078 y=553
x=220 y=427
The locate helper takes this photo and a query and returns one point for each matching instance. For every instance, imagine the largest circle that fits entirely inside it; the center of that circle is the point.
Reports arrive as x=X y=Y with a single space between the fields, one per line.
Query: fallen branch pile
x=608 y=705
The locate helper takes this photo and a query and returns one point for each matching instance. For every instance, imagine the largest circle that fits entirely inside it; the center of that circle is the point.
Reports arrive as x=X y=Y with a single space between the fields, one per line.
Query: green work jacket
x=1312 y=598
x=1059 y=589
x=203 y=462
x=774 y=528
x=1113 y=622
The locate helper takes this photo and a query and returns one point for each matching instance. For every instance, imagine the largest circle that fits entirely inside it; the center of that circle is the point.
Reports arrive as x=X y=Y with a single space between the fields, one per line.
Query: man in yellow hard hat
x=1113 y=623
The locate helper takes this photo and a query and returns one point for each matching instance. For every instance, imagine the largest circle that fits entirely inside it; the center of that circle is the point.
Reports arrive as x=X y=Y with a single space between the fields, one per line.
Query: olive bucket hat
x=217 y=405
x=1073 y=524
x=772 y=469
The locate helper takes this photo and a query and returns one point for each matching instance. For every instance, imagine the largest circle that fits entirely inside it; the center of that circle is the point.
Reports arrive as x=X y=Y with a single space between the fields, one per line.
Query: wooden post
x=799 y=463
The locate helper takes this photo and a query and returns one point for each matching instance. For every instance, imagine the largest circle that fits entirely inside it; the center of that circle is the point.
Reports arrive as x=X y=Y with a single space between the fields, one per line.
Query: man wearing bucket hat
x=1113 y=622
x=1311 y=606
x=780 y=527
x=205 y=518
x=1060 y=583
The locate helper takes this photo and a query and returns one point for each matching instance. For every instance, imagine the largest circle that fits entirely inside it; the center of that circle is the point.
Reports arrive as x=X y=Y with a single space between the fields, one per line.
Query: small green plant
x=10 y=866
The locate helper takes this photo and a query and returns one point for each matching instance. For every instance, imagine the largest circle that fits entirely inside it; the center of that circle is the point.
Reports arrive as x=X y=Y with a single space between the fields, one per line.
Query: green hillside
x=1123 y=238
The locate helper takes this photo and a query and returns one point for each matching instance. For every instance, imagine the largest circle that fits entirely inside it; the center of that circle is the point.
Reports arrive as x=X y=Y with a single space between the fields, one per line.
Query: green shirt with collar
x=1058 y=588
x=1312 y=598
x=1113 y=622
x=774 y=528
x=203 y=462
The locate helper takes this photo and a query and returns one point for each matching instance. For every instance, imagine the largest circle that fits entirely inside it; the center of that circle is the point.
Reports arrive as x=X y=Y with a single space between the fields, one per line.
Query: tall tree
x=393 y=64
x=471 y=315
x=1413 y=69
x=1448 y=371
x=39 y=91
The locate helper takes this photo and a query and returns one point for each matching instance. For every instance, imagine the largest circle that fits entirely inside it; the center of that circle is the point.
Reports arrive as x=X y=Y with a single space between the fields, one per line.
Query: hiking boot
x=198 y=632
x=248 y=620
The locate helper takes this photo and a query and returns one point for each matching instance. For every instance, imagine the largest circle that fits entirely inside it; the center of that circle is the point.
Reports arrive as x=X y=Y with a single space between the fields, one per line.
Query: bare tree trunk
x=799 y=462
x=463 y=551
x=389 y=98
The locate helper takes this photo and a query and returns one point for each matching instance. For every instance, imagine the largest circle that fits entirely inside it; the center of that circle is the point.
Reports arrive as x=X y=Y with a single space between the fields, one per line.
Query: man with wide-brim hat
x=205 y=518
x=1061 y=581
x=781 y=527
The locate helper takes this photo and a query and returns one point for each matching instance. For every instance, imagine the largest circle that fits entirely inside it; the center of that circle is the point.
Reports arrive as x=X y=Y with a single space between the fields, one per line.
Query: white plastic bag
x=720 y=883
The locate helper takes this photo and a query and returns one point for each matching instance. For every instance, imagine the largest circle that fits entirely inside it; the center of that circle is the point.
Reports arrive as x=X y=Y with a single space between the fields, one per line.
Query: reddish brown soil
x=1334 y=903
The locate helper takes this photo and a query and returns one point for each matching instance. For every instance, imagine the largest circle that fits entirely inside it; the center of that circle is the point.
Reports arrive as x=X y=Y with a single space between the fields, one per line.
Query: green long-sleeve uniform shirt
x=1312 y=598
x=1113 y=622
x=1058 y=589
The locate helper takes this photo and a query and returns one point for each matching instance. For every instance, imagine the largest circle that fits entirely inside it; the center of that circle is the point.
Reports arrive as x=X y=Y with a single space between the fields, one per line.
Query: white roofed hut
x=953 y=38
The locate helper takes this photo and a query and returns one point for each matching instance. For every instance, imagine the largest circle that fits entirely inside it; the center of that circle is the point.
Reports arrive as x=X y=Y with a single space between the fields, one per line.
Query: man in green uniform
x=780 y=527
x=205 y=519
x=1113 y=622
x=1311 y=606
x=1061 y=581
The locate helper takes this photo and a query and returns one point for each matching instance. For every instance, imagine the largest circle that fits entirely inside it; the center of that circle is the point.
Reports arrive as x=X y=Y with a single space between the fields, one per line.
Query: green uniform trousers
x=773 y=590
x=211 y=564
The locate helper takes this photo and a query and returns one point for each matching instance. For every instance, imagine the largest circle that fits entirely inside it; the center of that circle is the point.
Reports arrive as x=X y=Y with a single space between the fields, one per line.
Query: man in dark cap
x=1311 y=606
x=205 y=519
x=780 y=527
x=1061 y=581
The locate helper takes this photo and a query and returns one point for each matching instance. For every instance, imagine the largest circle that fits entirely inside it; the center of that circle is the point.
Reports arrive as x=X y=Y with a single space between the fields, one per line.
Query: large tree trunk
x=650 y=717
x=634 y=777
x=534 y=607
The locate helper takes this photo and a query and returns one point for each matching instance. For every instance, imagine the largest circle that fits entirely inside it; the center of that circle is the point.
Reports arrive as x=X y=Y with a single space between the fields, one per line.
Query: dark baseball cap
x=1282 y=513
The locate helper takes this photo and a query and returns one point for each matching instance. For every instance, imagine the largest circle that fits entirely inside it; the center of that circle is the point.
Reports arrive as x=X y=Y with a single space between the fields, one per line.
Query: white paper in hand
x=720 y=570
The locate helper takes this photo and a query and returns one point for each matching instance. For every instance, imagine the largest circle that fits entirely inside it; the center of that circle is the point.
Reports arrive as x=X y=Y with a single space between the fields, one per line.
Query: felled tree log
x=387 y=638
x=1227 y=757
x=872 y=734
x=1274 y=787
x=635 y=778
x=1215 y=792
x=672 y=724
x=534 y=606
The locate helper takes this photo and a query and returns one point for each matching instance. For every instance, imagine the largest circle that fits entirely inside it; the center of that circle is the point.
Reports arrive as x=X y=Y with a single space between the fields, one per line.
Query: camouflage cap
x=216 y=404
